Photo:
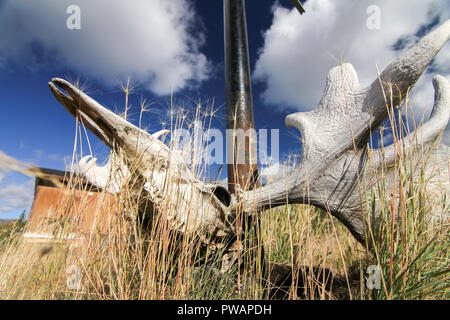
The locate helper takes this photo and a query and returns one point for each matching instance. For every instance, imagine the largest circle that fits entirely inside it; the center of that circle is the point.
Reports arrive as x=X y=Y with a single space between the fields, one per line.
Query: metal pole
x=299 y=6
x=239 y=93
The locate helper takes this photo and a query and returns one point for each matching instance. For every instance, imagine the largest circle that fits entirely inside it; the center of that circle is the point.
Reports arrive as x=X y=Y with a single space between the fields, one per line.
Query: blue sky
x=177 y=46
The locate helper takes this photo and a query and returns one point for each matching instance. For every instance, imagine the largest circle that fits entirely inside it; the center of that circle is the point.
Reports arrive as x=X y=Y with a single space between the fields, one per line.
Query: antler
x=335 y=136
x=332 y=170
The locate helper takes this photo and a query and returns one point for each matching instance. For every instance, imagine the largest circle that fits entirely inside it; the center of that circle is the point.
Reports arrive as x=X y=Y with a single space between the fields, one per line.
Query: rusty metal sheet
x=67 y=213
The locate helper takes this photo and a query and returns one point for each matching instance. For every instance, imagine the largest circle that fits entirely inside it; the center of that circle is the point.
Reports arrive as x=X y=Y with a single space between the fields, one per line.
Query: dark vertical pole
x=239 y=92
x=299 y=6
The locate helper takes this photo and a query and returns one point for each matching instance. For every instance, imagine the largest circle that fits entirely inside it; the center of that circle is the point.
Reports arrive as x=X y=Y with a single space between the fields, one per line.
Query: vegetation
x=12 y=229
x=406 y=258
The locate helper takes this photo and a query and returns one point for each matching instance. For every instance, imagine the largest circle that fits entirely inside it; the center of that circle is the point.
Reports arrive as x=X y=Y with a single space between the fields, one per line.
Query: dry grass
x=141 y=260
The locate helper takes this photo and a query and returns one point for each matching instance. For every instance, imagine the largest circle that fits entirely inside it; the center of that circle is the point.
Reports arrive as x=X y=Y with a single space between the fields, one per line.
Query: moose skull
x=332 y=173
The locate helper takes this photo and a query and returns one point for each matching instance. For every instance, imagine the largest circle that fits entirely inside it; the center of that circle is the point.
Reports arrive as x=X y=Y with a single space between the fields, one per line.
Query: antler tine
x=327 y=130
x=431 y=129
x=347 y=114
x=394 y=82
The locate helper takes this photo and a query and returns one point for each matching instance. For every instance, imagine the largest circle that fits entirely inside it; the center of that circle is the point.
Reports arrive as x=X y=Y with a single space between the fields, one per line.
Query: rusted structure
x=242 y=172
x=239 y=96
x=67 y=208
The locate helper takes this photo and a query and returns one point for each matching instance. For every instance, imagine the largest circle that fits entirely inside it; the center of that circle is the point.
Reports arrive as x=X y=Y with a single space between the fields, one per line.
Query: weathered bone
x=105 y=177
x=108 y=177
x=335 y=136
x=187 y=203
x=333 y=173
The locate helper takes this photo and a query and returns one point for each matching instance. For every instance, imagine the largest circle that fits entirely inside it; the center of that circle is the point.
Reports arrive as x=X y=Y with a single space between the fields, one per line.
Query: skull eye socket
x=222 y=195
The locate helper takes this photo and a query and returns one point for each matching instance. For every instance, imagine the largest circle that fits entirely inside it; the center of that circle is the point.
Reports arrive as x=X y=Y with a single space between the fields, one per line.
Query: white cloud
x=276 y=171
x=150 y=40
x=16 y=196
x=272 y=170
x=223 y=182
x=299 y=50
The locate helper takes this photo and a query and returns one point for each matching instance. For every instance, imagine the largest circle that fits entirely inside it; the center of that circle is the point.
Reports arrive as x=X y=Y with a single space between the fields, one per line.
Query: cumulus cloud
x=276 y=170
x=153 y=41
x=299 y=51
x=15 y=196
